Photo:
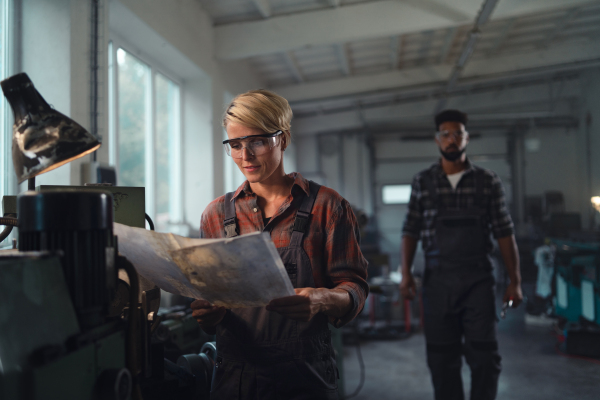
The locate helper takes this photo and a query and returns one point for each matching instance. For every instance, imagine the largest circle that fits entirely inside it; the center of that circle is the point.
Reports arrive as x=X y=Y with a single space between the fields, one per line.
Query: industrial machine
x=577 y=295
x=76 y=320
x=577 y=271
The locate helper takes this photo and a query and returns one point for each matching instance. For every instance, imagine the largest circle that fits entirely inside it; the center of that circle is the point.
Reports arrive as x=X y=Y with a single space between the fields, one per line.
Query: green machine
x=68 y=328
x=577 y=271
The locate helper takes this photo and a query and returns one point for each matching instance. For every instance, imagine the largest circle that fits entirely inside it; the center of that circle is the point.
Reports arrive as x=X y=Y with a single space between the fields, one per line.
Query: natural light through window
x=167 y=143
x=133 y=92
x=396 y=194
x=146 y=128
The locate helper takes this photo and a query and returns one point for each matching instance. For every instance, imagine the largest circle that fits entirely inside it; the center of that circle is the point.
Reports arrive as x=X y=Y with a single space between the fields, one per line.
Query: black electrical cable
x=94 y=66
x=361 y=363
x=5 y=233
x=149 y=221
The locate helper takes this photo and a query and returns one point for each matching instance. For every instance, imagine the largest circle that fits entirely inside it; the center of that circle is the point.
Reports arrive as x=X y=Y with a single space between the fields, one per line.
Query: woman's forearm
x=336 y=302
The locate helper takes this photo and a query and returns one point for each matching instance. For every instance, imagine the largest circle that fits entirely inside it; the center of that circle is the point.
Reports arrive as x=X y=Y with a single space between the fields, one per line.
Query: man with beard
x=453 y=208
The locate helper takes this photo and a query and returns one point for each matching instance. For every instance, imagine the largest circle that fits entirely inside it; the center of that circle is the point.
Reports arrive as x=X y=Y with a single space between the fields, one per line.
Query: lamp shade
x=43 y=138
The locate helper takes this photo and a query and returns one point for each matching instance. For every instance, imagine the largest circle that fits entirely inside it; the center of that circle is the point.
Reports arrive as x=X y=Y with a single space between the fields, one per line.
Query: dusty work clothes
x=458 y=288
x=261 y=354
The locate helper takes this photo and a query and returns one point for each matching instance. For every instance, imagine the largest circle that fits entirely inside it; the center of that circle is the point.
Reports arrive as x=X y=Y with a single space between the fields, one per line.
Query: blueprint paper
x=245 y=271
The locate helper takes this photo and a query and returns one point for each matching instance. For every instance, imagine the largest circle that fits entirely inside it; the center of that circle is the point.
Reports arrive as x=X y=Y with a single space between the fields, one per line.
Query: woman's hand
x=206 y=314
x=308 y=302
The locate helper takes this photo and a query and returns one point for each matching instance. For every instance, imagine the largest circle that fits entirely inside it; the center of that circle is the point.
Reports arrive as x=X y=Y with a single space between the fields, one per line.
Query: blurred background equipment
x=72 y=306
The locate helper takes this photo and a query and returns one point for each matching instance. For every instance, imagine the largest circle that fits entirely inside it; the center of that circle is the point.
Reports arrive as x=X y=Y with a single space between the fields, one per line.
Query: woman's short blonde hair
x=261 y=109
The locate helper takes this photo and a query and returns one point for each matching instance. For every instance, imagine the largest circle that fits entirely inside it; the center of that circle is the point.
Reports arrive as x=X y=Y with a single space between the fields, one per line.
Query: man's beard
x=452 y=155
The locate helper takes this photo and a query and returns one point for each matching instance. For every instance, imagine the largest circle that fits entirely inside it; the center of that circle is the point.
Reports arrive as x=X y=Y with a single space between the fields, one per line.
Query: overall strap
x=479 y=177
x=303 y=214
x=229 y=221
x=430 y=181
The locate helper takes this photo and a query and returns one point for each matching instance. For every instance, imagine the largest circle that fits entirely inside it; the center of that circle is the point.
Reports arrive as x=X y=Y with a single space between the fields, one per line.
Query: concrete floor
x=532 y=369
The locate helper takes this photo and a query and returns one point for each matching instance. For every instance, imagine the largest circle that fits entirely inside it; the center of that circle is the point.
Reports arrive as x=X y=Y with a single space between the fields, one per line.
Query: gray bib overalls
x=459 y=300
x=263 y=355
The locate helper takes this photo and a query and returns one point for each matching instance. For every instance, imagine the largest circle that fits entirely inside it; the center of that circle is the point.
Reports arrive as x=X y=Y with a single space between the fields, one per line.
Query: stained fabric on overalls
x=459 y=301
x=263 y=355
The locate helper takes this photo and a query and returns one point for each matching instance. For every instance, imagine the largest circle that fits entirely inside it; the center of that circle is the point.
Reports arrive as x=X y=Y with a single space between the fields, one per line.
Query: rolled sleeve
x=346 y=266
x=500 y=220
x=414 y=215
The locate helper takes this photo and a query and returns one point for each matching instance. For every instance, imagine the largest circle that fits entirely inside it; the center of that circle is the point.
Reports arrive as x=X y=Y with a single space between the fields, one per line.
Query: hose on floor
x=361 y=363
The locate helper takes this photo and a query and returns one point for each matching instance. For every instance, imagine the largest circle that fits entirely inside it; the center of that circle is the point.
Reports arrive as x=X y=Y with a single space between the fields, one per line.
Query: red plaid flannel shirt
x=331 y=241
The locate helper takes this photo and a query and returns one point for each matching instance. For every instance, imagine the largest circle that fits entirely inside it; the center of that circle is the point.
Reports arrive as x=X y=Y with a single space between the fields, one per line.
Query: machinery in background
x=386 y=315
x=69 y=315
x=577 y=295
x=76 y=320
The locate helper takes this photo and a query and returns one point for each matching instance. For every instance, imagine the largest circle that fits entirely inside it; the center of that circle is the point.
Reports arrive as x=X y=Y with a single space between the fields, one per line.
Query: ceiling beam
x=450 y=36
x=410 y=77
x=293 y=66
x=263 y=7
x=342 y=53
x=440 y=9
x=360 y=21
x=502 y=36
x=560 y=27
x=427 y=39
x=530 y=99
x=394 y=51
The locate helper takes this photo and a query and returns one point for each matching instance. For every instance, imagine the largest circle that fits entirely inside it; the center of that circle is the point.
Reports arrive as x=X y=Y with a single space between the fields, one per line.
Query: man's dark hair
x=450 y=116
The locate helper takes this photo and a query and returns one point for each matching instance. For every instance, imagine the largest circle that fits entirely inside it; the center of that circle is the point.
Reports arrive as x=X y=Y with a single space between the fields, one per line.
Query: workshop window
x=7 y=175
x=145 y=140
x=395 y=194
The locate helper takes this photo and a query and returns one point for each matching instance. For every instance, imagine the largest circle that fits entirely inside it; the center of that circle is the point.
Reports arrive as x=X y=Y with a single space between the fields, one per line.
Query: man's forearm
x=510 y=255
x=409 y=248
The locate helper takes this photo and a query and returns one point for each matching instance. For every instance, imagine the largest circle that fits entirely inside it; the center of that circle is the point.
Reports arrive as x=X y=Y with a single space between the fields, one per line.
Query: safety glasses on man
x=256 y=145
x=458 y=134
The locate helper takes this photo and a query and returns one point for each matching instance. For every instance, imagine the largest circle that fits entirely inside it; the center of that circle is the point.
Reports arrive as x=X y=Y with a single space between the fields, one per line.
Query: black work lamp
x=43 y=138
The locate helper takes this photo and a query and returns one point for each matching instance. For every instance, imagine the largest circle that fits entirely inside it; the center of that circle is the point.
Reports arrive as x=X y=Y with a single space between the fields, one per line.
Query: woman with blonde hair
x=283 y=350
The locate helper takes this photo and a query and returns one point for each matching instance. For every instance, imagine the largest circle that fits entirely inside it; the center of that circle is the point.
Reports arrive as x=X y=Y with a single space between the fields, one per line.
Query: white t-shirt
x=455 y=178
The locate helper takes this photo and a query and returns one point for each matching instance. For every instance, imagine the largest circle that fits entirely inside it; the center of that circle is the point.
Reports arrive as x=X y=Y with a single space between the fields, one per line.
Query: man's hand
x=206 y=314
x=514 y=293
x=307 y=303
x=408 y=287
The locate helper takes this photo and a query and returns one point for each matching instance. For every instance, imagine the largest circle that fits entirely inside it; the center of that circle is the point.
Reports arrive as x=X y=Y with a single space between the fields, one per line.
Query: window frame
x=8 y=181
x=176 y=201
x=8 y=47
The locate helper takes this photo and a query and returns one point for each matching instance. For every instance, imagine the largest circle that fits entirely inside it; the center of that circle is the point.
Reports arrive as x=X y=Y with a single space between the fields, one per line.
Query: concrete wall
x=554 y=166
x=54 y=51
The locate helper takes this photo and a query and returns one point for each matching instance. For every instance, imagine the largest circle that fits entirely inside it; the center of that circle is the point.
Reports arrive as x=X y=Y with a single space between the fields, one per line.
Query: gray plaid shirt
x=420 y=218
